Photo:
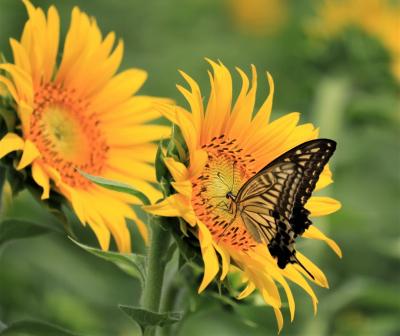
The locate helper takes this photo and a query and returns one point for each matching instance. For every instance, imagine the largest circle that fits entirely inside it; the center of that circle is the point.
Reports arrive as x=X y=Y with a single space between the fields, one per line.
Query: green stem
x=2 y=180
x=155 y=269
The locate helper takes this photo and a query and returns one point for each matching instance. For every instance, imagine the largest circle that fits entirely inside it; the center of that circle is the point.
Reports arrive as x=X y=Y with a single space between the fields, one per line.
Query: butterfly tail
x=294 y=260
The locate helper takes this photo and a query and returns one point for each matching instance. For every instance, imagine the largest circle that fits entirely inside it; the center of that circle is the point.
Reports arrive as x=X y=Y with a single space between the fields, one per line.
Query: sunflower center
x=214 y=190
x=67 y=137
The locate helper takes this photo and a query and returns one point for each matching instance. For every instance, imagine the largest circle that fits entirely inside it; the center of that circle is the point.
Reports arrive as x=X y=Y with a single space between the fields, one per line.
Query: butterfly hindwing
x=272 y=202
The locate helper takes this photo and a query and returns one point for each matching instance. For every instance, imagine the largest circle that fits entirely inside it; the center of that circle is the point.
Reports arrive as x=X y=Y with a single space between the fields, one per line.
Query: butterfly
x=271 y=203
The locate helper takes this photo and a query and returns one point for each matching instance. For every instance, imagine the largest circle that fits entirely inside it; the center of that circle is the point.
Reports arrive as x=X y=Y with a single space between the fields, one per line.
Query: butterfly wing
x=271 y=203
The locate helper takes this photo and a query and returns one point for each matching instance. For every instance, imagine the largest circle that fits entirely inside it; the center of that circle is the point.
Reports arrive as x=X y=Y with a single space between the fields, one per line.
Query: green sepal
x=14 y=228
x=161 y=168
x=183 y=227
x=131 y=263
x=116 y=186
x=147 y=318
x=35 y=328
x=177 y=147
x=9 y=117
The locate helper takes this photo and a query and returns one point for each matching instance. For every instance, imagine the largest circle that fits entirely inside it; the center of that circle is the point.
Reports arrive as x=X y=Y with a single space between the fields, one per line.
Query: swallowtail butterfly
x=271 y=203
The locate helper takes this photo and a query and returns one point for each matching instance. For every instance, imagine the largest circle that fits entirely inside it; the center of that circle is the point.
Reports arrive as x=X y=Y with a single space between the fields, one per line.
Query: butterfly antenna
x=233 y=175
x=302 y=266
x=220 y=178
x=222 y=196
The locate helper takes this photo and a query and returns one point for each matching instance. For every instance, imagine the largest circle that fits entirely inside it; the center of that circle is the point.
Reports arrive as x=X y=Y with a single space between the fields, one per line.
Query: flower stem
x=156 y=263
x=2 y=180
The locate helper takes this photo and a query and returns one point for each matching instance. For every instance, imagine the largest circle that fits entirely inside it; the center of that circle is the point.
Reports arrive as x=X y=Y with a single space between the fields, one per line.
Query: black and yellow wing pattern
x=271 y=203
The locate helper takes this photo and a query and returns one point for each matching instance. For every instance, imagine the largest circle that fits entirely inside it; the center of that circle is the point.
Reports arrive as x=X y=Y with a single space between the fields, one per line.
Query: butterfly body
x=271 y=203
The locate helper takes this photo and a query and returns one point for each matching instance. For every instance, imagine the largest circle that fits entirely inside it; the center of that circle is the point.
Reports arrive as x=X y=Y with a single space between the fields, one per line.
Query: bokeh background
x=337 y=62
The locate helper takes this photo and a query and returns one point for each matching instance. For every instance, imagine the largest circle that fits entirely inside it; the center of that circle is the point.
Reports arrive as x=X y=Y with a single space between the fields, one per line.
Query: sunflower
x=260 y=17
x=218 y=136
x=81 y=115
x=378 y=18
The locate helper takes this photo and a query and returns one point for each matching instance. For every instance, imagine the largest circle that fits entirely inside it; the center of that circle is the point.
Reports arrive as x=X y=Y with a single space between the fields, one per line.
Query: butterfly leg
x=231 y=210
x=222 y=205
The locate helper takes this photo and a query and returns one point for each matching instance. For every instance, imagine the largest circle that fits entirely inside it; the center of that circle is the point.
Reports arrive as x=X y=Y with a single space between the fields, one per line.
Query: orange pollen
x=226 y=171
x=66 y=134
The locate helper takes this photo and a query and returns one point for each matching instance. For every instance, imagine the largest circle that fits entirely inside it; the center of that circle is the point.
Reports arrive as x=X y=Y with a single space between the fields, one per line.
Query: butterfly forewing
x=271 y=203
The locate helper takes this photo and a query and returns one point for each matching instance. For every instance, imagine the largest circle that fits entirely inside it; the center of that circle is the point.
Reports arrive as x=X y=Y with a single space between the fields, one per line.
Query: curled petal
x=10 y=143
x=42 y=179
x=211 y=266
x=29 y=154
x=247 y=291
x=225 y=257
x=314 y=233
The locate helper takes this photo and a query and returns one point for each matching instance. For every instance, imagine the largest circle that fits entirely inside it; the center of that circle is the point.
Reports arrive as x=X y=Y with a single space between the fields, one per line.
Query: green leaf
x=34 y=328
x=146 y=318
x=132 y=264
x=116 y=186
x=12 y=229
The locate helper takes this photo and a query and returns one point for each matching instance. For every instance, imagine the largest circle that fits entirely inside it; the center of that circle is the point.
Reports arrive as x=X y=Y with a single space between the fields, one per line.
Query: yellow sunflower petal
x=114 y=216
x=21 y=58
x=321 y=206
x=319 y=276
x=53 y=32
x=294 y=275
x=119 y=89
x=22 y=82
x=246 y=291
x=197 y=162
x=272 y=136
x=225 y=258
x=264 y=113
x=177 y=169
x=8 y=87
x=219 y=104
x=142 y=227
x=300 y=134
x=194 y=99
x=186 y=125
x=42 y=179
x=269 y=290
x=10 y=143
x=173 y=206
x=167 y=111
x=325 y=178
x=133 y=167
x=211 y=266
x=136 y=135
x=276 y=274
x=243 y=109
x=99 y=227
x=183 y=187
x=314 y=233
x=279 y=319
x=29 y=154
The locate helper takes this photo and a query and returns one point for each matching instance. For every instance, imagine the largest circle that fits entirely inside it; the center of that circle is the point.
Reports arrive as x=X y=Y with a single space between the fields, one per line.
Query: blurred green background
x=343 y=83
